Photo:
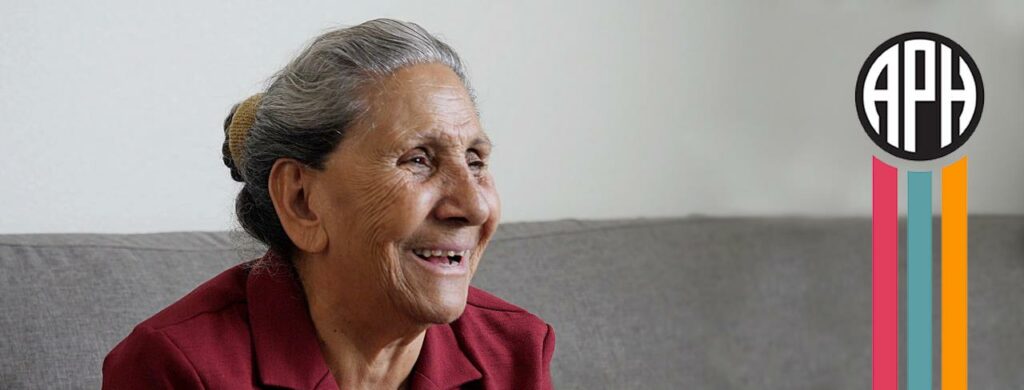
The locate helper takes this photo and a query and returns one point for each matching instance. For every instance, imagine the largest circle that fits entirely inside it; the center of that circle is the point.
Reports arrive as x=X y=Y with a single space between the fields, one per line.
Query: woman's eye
x=421 y=160
x=474 y=160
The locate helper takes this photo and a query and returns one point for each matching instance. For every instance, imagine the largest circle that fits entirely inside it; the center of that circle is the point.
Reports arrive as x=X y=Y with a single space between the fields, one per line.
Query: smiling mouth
x=441 y=257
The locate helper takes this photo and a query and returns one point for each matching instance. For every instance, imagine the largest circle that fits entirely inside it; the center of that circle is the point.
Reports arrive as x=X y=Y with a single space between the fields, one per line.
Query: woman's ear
x=289 y=185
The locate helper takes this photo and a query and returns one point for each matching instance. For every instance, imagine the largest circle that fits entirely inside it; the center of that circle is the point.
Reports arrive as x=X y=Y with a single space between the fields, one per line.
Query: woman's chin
x=441 y=307
x=435 y=298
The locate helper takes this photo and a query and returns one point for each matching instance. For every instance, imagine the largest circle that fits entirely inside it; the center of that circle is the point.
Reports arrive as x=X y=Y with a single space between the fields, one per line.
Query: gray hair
x=310 y=104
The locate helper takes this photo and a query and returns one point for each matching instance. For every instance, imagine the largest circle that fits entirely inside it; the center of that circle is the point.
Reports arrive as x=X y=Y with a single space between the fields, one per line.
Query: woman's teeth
x=452 y=256
x=437 y=253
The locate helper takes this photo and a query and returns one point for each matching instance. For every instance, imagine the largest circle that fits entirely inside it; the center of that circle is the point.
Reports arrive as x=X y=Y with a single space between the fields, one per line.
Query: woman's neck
x=365 y=342
x=354 y=366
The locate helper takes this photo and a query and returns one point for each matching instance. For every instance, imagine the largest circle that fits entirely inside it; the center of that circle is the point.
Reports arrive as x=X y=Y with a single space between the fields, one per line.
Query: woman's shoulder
x=484 y=300
x=173 y=346
x=222 y=292
x=508 y=332
x=485 y=309
x=509 y=345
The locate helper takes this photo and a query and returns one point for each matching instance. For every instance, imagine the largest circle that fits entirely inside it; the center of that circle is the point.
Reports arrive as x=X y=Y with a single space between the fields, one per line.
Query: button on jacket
x=250 y=328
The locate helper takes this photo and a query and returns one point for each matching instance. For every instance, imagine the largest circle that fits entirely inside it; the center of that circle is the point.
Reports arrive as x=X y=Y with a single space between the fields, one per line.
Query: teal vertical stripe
x=919 y=280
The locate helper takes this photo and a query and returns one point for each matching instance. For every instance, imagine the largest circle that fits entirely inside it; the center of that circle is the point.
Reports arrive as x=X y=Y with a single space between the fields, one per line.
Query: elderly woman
x=365 y=171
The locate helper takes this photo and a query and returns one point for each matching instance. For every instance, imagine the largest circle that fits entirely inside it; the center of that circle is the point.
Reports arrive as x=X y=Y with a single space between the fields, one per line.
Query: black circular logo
x=919 y=96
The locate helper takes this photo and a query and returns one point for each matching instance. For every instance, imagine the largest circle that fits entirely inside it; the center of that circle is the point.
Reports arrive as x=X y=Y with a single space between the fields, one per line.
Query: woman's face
x=407 y=187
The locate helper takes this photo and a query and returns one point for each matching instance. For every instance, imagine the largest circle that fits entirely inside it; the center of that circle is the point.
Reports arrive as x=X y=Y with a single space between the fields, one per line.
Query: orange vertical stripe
x=954 y=275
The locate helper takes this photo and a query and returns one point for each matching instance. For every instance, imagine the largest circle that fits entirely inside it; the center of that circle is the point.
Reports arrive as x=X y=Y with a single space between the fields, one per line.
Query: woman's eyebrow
x=480 y=140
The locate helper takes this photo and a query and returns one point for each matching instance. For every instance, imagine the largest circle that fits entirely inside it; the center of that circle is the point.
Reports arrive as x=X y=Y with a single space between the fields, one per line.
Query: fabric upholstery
x=703 y=303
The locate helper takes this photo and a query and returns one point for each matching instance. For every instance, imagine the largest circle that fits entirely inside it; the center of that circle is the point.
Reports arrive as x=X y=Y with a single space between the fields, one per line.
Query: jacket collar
x=287 y=351
x=442 y=363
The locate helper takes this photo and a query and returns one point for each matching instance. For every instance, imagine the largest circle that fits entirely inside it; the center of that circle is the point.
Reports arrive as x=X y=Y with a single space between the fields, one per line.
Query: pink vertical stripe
x=885 y=277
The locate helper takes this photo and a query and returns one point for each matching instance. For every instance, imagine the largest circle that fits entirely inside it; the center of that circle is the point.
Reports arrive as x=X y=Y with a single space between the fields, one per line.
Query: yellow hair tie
x=241 y=122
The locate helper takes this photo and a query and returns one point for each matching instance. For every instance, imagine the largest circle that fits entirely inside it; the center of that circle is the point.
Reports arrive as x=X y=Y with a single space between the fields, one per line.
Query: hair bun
x=236 y=129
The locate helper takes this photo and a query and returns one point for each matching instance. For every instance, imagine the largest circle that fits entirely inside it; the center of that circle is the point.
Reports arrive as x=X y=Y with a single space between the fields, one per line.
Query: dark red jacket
x=245 y=329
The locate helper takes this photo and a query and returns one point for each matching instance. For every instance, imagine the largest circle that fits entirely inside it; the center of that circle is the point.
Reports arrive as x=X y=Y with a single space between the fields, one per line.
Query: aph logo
x=919 y=96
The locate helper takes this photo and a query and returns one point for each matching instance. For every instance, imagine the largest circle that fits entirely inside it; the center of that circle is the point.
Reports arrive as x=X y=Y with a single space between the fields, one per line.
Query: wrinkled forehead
x=421 y=102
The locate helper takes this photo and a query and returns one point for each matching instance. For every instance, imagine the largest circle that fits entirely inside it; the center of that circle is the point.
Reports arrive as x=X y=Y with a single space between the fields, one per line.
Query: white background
x=111 y=111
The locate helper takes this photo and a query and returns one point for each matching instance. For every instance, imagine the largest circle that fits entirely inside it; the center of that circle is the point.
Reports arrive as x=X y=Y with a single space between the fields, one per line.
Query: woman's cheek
x=410 y=207
x=381 y=208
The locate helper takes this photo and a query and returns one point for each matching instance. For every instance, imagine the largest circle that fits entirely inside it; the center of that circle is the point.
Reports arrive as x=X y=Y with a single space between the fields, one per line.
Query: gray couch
x=693 y=303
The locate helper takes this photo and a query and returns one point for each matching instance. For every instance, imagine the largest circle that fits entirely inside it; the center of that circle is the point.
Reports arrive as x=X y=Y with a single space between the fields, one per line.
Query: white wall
x=111 y=112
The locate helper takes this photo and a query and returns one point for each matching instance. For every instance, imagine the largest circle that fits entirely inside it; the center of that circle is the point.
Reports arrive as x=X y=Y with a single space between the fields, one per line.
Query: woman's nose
x=462 y=201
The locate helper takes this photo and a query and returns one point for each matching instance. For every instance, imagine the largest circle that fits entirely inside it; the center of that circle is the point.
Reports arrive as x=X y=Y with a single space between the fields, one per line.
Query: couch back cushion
x=662 y=303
